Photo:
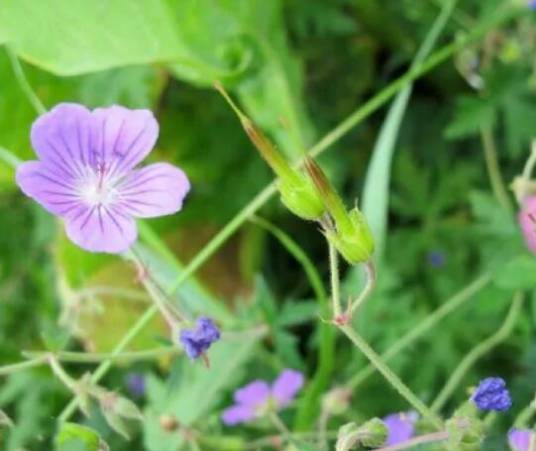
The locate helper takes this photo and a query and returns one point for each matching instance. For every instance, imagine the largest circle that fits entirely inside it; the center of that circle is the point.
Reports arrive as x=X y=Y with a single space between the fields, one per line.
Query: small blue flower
x=532 y=4
x=492 y=394
x=136 y=384
x=436 y=258
x=197 y=341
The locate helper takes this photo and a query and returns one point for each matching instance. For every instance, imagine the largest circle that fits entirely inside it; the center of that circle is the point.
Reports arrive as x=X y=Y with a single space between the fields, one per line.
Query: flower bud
x=336 y=401
x=352 y=236
x=371 y=434
x=466 y=430
x=297 y=192
x=116 y=409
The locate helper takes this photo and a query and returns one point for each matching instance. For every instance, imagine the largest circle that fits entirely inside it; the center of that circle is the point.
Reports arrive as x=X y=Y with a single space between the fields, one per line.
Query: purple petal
x=400 y=428
x=156 y=190
x=63 y=137
x=101 y=228
x=519 y=439
x=238 y=414
x=48 y=185
x=253 y=395
x=286 y=386
x=125 y=137
x=526 y=220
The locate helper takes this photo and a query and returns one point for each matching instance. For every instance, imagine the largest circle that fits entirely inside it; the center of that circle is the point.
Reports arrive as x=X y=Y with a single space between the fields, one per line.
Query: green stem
x=479 y=351
x=309 y=404
x=335 y=280
x=23 y=82
x=440 y=436
x=61 y=374
x=9 y=158
x=15 y=367
x=424 y=326
x=494 y=172
x=83 y=357
x=391 y=377
x=344 y=127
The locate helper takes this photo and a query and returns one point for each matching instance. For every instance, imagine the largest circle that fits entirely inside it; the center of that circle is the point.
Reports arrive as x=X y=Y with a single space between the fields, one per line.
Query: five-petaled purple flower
x=400 y=427
x=197 y=341
x=519 y=439
x=492 y=394
x=86 y=174
x=258 y=397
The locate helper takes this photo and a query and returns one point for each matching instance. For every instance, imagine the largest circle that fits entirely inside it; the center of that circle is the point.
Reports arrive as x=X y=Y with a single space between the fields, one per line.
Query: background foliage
x=298 y=67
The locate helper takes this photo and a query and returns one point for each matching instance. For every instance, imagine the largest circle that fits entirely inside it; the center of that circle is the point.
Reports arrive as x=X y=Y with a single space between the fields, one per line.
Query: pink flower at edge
x=87 y=175
x=527 y=218
x=519 y=439
x=252 y=399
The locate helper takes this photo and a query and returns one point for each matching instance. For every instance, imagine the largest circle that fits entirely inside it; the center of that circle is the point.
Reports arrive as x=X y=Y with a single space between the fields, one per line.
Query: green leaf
x=472 y=113
x=518 y=274
x=72 y=436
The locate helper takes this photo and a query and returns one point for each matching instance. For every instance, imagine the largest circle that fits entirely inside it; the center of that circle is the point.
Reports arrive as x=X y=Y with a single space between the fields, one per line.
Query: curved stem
x=83 y=357
x=420 y=440
x=308 y=406
x=391 y=377
x=23 y=82
x=370 y=275
x=478 y=351
x=424 y=326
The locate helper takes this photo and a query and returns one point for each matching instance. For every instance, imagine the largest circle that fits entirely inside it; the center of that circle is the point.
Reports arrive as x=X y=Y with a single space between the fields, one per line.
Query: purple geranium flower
x=400 y=427
x=492 y=394
x=253 y=400
x=526 y=218
x=519 y=439
x=86 y=174
x=197 y=341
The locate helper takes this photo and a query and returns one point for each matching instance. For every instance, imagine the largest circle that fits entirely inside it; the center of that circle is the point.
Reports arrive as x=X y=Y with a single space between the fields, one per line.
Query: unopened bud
x=371 y=434
x=116 y=409
x=168 y=423
x=374 y=433
x=466 y=430
x=336 y=401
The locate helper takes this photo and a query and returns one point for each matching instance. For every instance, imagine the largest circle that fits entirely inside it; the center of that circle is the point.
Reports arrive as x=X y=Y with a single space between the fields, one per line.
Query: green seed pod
x=371 y=434
x=297 y=192
x=352 y=236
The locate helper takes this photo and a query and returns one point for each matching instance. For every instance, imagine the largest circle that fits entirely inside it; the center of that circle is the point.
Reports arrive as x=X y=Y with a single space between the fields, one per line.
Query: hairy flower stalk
x=296 y=191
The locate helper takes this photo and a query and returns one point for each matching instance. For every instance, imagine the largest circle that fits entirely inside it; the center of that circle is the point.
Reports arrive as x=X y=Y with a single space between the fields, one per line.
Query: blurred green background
x=297 y=67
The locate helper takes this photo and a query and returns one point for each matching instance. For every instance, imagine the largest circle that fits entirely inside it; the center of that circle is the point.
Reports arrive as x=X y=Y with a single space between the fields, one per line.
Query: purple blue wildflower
x=400 y=427
x=527 y=218
x=136 y=384
x=492 y=394
x=258 y=397
x=519 y=439
x=197 y=341
x=87 y=175
x=532 y=4
x=436 y=258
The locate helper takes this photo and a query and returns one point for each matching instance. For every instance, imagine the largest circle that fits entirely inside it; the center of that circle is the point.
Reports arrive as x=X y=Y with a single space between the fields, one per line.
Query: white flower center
x=97 y=189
